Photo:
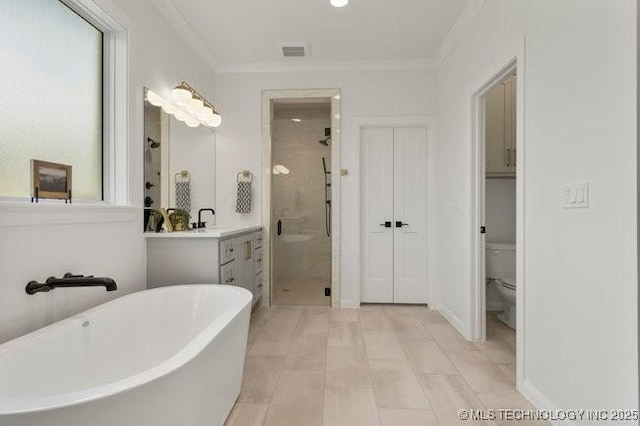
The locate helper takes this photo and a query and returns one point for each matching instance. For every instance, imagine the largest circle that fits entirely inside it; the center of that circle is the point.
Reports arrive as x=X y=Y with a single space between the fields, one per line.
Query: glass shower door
x=300 y=212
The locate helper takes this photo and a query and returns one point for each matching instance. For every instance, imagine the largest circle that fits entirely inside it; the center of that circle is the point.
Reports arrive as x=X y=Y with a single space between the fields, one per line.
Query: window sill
x=40 y=214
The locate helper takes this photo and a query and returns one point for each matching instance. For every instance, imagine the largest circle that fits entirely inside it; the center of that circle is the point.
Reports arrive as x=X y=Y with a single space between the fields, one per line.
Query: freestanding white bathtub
x=171 y=356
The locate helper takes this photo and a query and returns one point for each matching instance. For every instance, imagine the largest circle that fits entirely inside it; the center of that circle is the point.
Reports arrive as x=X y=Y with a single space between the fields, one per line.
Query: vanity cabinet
x=208 y=257
x=245 y=261
x=257 y=267
x=228 y=273
x=500 y=129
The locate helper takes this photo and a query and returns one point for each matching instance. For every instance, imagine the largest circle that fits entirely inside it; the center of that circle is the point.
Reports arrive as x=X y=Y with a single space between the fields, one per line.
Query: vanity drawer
x=257 y=239
x=258 y=288
x=227 y=251
x=259 y=259
x=228 y=273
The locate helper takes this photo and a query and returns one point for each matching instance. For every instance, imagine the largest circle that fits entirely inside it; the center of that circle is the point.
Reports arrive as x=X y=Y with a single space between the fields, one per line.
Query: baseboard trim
x=541 y=402
x=349 y=304
x=453 y=320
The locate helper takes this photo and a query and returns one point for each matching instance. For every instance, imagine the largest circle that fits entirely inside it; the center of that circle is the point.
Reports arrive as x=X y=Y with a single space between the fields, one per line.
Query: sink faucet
x=70 y=280
x=200 y=223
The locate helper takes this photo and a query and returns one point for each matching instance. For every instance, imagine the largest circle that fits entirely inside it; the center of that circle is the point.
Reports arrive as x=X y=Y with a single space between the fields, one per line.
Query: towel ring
x=245 y=176
x=183 y=176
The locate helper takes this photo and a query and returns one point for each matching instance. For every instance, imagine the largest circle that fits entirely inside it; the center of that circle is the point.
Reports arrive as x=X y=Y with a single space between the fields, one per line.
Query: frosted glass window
x=50 y=95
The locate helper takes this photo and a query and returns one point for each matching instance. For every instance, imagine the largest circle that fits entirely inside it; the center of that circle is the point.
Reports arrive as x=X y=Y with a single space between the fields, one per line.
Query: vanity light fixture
x=154 y=99
x=181 y=94
x=188 y=106
x=339 y=3
x=297 y=120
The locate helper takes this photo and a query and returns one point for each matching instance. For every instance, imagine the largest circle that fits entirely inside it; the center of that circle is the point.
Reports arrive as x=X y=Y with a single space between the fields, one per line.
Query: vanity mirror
x=173 y=150
x=156 y=154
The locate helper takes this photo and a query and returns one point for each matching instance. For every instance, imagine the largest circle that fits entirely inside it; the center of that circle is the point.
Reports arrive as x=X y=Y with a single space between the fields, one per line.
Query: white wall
x=580 y=283
x=39 y=241
x=239 y=139
x=500 y=210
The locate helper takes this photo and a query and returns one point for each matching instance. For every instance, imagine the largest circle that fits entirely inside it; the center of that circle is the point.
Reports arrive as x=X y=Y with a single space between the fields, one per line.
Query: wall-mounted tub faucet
x=70 y=280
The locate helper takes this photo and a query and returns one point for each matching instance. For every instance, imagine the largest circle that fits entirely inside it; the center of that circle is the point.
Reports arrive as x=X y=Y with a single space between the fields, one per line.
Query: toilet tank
x=500 y=260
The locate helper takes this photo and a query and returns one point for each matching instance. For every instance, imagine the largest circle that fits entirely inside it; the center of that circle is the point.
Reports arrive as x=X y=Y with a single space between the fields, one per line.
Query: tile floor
x=379 y=365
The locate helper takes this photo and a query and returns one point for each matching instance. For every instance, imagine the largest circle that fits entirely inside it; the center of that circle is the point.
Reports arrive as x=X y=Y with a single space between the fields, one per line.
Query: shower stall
x=301 y=202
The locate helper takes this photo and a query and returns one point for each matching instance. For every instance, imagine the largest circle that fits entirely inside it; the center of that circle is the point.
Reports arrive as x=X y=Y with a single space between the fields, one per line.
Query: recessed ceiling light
x=339 y=3
x=297 y=120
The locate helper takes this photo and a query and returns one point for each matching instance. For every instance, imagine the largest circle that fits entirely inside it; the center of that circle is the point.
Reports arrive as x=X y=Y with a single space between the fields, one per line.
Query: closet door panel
x=376 y=209
x=410 y=215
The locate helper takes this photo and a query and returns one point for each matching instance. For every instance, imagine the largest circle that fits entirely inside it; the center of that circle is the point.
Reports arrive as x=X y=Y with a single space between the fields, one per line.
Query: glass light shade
x=154 y=99
x=169 y=108
x=181 y=95
x=339 y=3
x=206 y=114
x=215 y=120
x=195 y=105
x=181 y=116
x=192 y=122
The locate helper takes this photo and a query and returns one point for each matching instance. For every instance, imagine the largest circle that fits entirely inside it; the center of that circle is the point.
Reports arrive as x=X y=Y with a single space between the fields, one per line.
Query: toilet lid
x=509 y=283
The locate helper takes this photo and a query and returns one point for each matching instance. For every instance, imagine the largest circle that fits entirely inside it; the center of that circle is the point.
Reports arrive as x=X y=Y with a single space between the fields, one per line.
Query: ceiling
x=248 y=32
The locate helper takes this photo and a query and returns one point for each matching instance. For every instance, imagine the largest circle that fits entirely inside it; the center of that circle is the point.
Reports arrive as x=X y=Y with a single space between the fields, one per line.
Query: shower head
x=327 y=137
x=153 y=143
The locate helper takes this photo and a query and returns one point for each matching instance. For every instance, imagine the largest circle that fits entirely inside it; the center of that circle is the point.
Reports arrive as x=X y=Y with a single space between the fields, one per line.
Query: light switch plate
x=575 y=196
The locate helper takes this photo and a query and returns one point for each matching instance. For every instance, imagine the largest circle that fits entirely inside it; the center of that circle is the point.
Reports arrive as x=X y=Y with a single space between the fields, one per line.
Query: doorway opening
x=500 y=215
x=497 y=216
x=301 y=143
x=301 y=201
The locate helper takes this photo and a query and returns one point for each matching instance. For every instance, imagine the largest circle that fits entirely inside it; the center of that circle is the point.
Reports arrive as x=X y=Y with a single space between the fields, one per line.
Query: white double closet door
x=394 y=215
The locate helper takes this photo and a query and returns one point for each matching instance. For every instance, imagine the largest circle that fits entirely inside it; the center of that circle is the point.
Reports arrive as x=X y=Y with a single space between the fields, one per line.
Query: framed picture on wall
x=50 y=180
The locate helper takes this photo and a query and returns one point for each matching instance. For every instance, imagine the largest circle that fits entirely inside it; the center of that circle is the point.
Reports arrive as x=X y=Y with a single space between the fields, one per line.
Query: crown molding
x=457 y=31
x=175 y=18
x=297 y=65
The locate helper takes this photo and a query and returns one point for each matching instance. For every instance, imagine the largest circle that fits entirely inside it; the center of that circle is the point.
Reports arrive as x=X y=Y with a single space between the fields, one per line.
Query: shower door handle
x=279 y=227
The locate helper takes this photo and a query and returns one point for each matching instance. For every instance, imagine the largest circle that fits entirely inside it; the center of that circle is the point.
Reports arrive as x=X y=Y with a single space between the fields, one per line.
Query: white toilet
x=501 y=271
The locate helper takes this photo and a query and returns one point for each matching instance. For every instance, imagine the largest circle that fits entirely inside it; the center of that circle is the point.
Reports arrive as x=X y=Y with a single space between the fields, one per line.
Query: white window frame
x=115 y=116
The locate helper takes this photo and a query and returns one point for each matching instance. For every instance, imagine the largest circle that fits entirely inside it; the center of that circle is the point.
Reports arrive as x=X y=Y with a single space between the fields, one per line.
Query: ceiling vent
x=294 y=50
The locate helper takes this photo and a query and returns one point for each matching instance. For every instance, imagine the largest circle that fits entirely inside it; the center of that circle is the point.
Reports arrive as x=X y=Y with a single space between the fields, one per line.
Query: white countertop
x=215 y=232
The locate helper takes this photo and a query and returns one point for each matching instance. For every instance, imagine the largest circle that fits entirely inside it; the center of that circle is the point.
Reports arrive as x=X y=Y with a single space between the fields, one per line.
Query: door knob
x=387 y=224
x=400 y=224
